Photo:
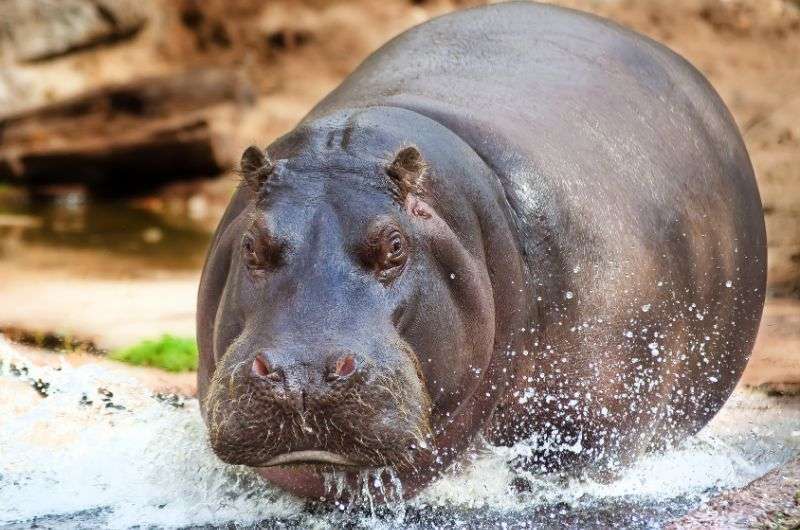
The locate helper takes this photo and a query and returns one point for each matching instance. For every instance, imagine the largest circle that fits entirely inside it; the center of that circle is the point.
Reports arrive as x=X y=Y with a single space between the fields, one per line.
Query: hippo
x=516 y=222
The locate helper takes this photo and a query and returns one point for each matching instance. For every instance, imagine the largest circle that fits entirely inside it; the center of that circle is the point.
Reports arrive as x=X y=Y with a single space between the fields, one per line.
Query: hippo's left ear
x=255 y=167
x=407 y=173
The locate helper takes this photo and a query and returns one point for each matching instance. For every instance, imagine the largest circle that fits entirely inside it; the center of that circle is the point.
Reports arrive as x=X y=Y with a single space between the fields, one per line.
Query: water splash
x=100 y=451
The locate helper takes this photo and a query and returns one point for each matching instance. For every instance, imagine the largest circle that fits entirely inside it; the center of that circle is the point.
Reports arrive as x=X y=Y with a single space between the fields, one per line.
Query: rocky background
x=122 y=96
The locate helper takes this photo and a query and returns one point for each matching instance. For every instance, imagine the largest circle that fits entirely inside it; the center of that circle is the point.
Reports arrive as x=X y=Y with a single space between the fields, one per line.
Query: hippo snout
x=299 y=404
x=302 y=385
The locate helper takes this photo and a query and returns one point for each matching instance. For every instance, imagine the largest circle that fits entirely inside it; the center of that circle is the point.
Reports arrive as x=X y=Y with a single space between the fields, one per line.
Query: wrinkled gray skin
x=585 y=244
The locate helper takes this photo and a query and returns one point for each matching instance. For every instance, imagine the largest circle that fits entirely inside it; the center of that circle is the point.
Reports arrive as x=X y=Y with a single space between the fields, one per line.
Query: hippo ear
x=407 y=173
x=255 y=167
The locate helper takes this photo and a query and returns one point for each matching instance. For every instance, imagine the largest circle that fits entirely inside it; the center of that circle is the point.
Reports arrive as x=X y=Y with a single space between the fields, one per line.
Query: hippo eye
x=391 y=255
x=251 y=256
x=385 y=250
x=258 y=254
x=395 y=246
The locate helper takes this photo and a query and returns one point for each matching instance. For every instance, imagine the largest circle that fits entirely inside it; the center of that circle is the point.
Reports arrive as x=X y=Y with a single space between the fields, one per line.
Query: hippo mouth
x=313 y=457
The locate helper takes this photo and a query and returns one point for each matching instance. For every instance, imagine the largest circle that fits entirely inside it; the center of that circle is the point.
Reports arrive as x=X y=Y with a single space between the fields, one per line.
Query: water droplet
x=646 y=308
x=729 y=284
x=568 y=295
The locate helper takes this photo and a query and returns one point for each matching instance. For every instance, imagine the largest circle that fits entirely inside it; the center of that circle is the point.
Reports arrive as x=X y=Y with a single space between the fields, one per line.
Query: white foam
x=149 y=463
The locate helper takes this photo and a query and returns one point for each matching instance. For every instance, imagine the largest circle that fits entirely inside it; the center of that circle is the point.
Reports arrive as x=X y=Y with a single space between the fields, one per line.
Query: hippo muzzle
x=342 y=411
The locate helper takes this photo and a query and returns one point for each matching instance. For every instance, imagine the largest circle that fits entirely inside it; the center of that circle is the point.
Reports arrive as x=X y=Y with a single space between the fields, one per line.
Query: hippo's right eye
x=251 y=257
x=259 y=255
x=386 y=252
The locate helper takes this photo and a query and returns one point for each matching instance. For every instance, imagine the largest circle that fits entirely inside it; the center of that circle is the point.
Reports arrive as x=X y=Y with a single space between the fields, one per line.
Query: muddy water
x=100 y=451
x=156 y=232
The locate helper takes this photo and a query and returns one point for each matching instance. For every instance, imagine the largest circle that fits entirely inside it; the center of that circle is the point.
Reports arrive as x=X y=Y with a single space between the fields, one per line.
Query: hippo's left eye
x=396 y=249
x=387 y=253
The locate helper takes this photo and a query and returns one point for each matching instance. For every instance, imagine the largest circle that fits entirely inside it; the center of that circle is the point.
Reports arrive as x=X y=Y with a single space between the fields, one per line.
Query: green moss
x=173 y=354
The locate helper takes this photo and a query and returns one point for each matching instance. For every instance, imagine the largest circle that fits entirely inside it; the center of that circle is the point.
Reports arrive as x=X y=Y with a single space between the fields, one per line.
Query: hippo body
x=581 y=259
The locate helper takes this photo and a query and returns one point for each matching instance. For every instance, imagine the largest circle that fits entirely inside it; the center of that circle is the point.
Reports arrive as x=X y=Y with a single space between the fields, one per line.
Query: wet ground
x=90 y=446
x=770 y=502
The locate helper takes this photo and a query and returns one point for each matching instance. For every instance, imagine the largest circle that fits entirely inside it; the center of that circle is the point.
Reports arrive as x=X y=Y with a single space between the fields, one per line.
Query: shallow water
x=171 y=239
x=100 y=451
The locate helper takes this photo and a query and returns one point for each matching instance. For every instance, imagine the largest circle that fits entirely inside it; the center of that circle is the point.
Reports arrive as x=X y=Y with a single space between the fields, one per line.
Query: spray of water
x=101 y=451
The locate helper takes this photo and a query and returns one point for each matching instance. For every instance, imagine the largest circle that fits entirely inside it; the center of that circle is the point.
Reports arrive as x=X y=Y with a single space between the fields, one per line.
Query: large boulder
x=123 y=137
x=33 y=30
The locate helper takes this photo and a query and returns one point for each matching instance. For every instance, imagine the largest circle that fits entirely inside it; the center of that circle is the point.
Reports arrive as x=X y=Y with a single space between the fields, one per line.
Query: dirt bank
x=109 y=312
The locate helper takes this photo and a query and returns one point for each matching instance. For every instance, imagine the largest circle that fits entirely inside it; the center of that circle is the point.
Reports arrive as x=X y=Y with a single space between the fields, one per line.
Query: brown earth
x=111 y=313
x=775 y=364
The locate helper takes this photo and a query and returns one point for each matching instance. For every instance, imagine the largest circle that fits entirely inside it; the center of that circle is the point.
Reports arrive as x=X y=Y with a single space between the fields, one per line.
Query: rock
x=33 y=30
x=130 y=159
x=127 y=136
x=144 y=97
x=743 y=17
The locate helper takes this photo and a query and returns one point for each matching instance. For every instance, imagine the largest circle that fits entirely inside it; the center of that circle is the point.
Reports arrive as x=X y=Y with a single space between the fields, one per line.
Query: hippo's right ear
x=255 y=167
x=407 y=173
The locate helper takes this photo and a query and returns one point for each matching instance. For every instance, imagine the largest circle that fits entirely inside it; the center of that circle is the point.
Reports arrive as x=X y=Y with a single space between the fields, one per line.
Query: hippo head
x=355 y=319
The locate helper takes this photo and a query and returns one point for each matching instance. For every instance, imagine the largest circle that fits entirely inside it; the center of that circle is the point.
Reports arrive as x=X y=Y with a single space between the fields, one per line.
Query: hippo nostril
x=345 y=366
x=262 y=369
